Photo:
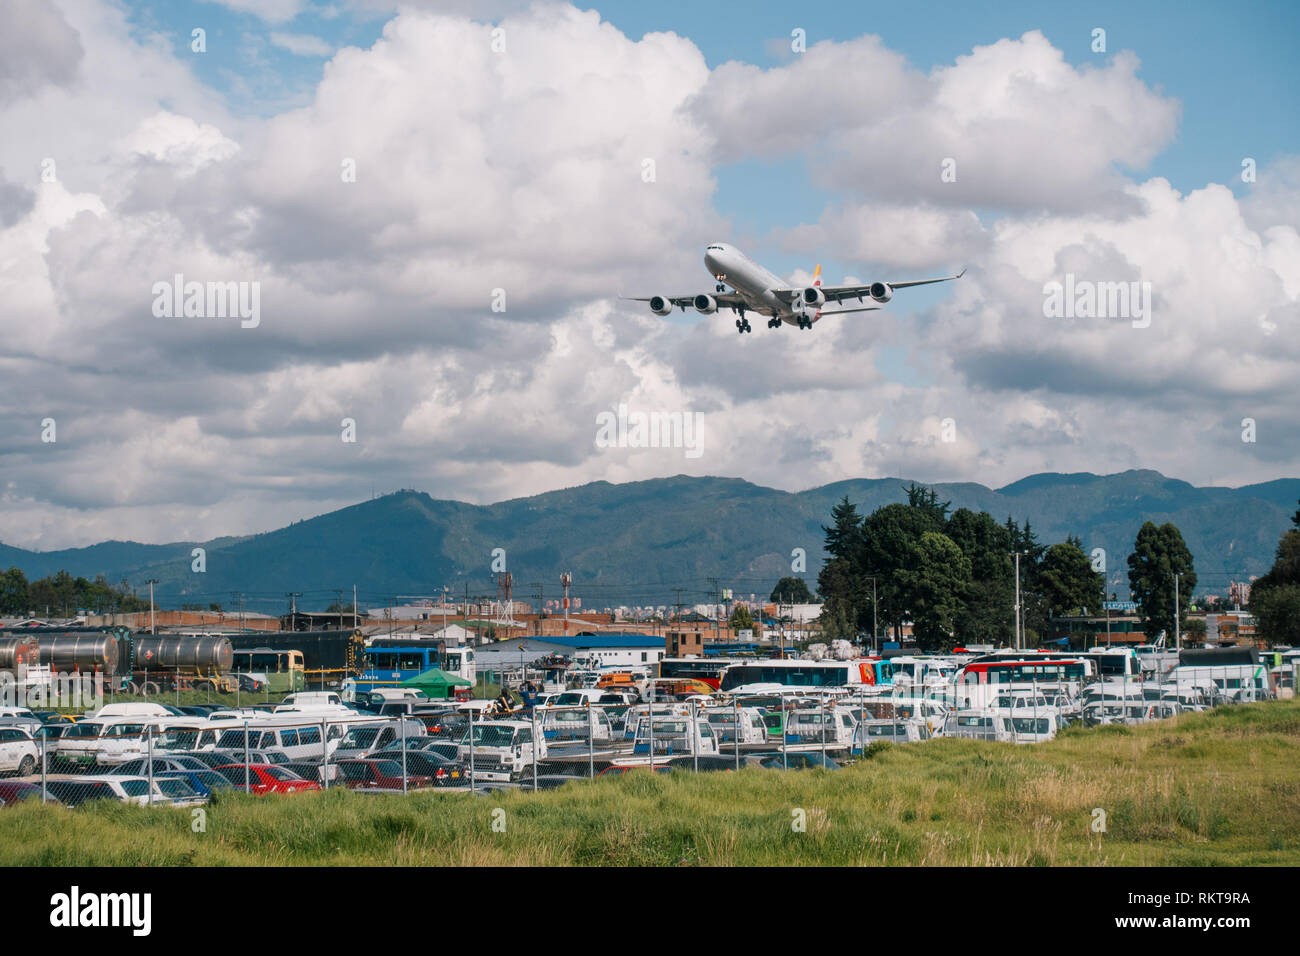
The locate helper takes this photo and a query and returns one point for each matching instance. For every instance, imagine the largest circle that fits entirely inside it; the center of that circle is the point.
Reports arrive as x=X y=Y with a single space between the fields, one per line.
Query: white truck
x=674 y=736
x=500 y=750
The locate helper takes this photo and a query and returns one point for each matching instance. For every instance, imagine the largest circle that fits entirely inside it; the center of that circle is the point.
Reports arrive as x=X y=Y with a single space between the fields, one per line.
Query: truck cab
x=501 y=750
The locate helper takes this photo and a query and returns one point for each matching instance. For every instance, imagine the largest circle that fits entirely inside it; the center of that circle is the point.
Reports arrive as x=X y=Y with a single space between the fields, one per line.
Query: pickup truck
x=502 y=750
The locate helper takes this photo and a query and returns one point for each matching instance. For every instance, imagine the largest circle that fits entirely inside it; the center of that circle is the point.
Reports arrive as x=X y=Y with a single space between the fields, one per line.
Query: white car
x=18 y=751
x=167 y=791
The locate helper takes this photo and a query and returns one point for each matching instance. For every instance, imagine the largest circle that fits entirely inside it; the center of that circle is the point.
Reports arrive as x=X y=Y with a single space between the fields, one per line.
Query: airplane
x=755 y=289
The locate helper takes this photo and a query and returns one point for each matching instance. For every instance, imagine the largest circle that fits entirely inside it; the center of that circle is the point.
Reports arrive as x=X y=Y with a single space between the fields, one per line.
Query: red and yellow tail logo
x=817 y=275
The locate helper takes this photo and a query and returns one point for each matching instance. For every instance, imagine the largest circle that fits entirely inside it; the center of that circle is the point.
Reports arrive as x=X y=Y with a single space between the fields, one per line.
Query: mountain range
x=640 y=542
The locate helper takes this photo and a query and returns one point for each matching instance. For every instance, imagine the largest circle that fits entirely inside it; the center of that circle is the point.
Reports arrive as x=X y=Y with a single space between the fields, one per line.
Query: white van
x=294 y=739
x=131 y=710
x=365 y=737
x=112 y=740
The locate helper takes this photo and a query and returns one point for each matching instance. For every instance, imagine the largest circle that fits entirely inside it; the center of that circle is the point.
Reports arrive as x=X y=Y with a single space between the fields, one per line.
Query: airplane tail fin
x=817 y=275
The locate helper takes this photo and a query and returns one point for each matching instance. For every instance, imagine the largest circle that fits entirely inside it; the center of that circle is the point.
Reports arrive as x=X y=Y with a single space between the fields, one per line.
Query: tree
x=1277 y=614
x=934 y=582
x=791 y=590
x=990 y=593
x=1275 y=596
x=842 y=537
x=892 y=535
x=741 y=619
x=840 y=579
x=1158 y=554
x=1067 y=582
x=15 y=597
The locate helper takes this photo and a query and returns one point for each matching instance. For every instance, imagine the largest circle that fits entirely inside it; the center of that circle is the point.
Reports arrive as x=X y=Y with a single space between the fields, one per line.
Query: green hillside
x=635 y=543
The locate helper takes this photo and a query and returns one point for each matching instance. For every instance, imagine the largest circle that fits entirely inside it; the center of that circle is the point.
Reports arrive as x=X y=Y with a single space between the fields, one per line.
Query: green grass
x=1221 y=788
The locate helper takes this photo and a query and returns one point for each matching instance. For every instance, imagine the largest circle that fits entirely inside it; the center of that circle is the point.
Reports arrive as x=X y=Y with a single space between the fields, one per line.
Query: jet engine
x=813 y=296
x=881 y=292
x=660 y=306
x=706 y=304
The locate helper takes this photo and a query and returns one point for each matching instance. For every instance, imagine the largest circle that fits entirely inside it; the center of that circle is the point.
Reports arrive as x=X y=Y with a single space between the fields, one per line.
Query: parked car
x=314 y=770
x=265 y=778
x=167 y=764
x=799 y=760
x=74 y=791
x=251 y=683
x=13 y=792
x=446 y=749
x=379 y=775
x=18 y=751
x=448 y=725
x=442 y=771
x=199 y=710
x=205 y=782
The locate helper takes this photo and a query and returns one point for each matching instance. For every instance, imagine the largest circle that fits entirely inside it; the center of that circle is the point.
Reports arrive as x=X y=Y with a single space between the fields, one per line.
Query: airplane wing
x=725 y=300
x=838 y=293
x=869 y=308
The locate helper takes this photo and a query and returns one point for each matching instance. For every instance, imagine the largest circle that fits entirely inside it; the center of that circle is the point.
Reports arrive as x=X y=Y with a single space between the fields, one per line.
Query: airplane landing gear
x=743 y=326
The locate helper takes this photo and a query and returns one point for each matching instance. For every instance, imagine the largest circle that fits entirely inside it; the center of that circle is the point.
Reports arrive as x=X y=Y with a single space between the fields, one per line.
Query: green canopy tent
x=436 y=683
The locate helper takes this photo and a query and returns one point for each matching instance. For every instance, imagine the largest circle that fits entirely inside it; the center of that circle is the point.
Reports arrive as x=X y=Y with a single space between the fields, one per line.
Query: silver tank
x=206 y=656
x=69 y=651
x=16 y=653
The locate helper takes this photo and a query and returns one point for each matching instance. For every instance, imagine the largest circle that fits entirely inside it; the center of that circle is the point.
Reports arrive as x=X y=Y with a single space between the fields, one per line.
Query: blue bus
x=388 y=664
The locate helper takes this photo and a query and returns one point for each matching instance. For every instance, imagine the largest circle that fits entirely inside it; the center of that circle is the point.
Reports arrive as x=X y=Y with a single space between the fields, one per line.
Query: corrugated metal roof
x=599 y=640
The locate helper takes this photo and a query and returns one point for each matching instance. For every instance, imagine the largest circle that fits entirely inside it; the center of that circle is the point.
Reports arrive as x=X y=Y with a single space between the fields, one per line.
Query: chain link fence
x=169 y=760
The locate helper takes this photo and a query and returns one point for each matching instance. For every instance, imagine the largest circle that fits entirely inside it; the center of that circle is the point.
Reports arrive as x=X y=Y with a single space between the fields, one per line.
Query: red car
x=16 y=791
x=379 y=775
x=265 y=778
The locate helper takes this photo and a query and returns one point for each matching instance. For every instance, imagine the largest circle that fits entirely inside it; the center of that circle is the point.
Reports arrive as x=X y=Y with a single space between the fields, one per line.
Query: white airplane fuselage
x=728 y=264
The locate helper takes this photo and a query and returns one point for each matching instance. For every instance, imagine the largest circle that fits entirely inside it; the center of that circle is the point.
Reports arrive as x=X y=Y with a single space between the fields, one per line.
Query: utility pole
x=1016 y=555
x=566 y=579
x=874 y=629
x=293 y=609
x=714 y=582
x=1178 y=635
x=354 y=607
x=153 y=629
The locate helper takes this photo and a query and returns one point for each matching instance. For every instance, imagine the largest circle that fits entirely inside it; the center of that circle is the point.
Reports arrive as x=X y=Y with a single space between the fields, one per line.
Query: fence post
x=537 y=747
x=823 y=723
x=247 y=784
x=735 y=741
x=591 y=745
x=45 y=746
x=402 y=722
x=650 y=722
x=695 y=736
x=325 y=754
x=148 y=736
x=470 y=738
x=785 y=735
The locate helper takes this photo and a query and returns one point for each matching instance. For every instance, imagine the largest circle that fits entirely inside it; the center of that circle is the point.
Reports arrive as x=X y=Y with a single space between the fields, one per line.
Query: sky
x=431 y=209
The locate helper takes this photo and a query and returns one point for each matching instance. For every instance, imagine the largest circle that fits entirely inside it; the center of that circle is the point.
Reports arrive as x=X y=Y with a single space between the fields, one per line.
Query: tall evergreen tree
x=1158 y=554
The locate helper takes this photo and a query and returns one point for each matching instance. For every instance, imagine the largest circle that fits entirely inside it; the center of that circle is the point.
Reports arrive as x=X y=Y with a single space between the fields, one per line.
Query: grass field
x=1221 y=788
